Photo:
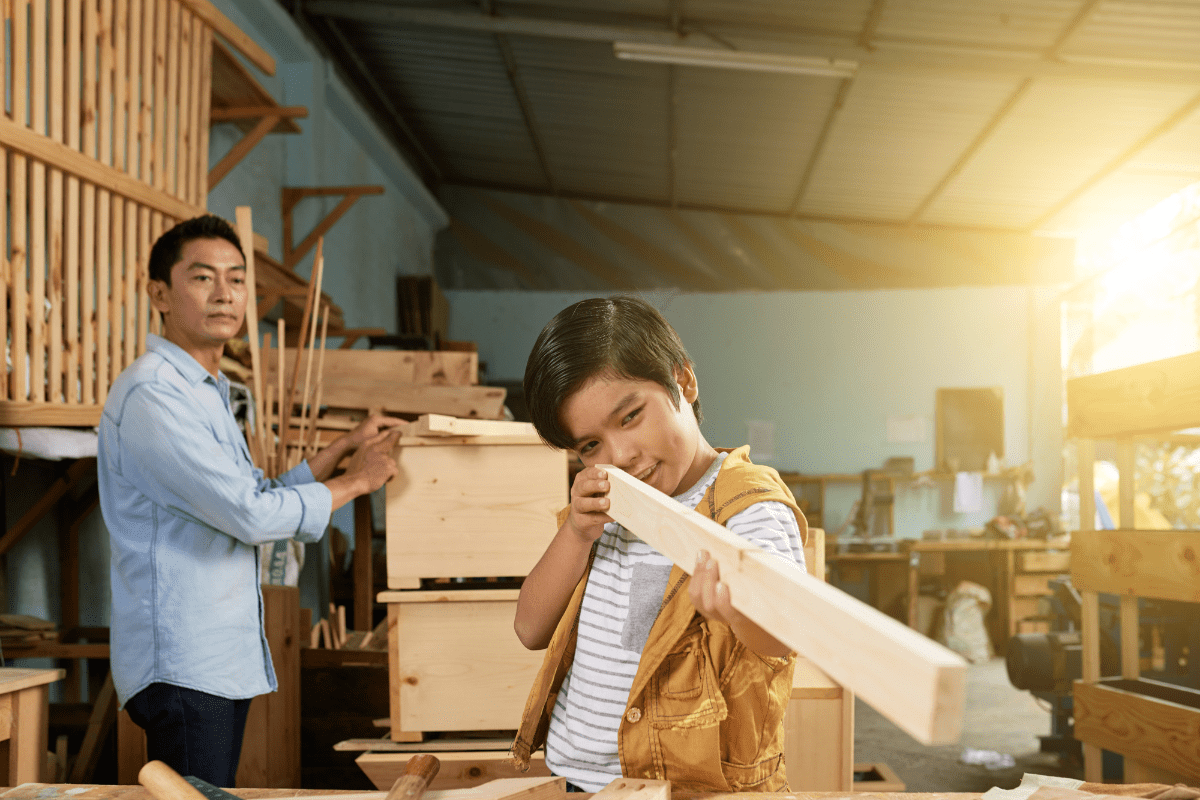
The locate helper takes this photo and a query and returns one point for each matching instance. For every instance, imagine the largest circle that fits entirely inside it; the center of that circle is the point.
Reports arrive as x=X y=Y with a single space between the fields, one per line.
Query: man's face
x=206 y=302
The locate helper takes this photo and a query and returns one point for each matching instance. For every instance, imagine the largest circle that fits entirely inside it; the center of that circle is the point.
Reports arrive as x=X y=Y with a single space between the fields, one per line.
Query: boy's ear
x=689 y=387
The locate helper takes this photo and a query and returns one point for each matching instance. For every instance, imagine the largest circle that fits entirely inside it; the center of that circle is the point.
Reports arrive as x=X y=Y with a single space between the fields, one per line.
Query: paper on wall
x=968 y=492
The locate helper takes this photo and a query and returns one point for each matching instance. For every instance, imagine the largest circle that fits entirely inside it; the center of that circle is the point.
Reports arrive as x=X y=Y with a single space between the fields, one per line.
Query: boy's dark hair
x=167 y=250
x=623 y=335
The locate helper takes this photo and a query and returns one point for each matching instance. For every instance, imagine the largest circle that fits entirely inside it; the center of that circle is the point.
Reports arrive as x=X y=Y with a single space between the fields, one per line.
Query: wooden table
x=1003 y=552
x=25 y=719
x=39 y=791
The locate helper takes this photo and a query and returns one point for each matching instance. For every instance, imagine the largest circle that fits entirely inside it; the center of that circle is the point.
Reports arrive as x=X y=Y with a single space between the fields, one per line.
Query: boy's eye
x=630 y=416
x=587 y=448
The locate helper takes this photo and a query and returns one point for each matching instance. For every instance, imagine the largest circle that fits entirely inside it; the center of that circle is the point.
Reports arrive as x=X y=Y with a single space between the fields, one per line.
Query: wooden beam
x=921 y=690
x=60 y=156
x=75 y=473
x=221 y=24
x=1164 y=565
x=291 y=195
x=241 y=149
x=1161 y=396
x=1125 y=719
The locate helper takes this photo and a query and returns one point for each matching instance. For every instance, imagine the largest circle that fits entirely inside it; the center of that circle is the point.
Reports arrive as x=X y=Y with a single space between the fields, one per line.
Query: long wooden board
x=461 y=772
x=442 y=425
x=1159 y=564
x=915 y=682
x=1151 y=731
x=434 y=367
x=1157 y=397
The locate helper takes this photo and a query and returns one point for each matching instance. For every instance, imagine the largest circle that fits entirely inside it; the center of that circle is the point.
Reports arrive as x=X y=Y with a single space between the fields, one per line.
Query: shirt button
x=633 y=714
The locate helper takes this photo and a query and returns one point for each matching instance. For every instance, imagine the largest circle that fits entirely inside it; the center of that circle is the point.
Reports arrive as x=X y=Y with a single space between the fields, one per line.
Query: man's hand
x=589 y=502
x=369 y=428
x=373 y=461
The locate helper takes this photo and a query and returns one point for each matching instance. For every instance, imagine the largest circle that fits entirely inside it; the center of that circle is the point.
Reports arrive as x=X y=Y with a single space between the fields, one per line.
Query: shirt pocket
x=684 y=691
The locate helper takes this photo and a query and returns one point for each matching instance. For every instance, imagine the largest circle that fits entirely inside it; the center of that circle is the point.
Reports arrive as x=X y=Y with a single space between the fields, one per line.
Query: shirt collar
x=179 y=358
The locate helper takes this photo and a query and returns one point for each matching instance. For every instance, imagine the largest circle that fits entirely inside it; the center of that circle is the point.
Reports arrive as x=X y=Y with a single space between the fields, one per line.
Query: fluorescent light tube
x=735 y=59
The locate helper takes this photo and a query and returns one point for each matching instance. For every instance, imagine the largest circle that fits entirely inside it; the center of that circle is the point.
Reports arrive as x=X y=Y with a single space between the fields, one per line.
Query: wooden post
x=364 y=529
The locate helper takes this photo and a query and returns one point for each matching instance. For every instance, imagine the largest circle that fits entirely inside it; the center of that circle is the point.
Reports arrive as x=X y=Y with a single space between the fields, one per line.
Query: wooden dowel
x=5 y=270
x=132 y=257
x=281 y=416
x=143 y=274
x=198 y=101
x=313 y=439
x=146 y=108
x=104 y=203
x=291 y=393
x=120 y=30
x=312 y=342
x=159 y=148
x=268 y=401
x=134 y=137
x=120 y=256
x=206 y=46
x=116 y=291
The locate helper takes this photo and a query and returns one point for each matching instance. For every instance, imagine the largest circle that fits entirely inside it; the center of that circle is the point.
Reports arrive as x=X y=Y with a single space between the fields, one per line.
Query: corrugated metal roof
x=1014 y=115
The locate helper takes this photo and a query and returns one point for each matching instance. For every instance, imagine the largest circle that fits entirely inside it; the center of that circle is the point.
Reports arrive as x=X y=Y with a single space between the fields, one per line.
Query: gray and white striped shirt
x=622 y=599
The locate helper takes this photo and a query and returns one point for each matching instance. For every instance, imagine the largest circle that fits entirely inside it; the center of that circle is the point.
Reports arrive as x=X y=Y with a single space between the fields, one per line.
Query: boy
x=649 y=673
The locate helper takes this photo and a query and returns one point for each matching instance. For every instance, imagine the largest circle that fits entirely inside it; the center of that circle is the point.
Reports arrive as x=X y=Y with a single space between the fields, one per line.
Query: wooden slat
x=146 y=103
x=120 y=32
x=54 y=286
x=923 y=688
x=206 y=67
x=37 y=206
x=1156 y=397
x=88 y=240
x=171 y=151
x=18 y=235
x=197 y=101
x=1152 y=731
x=74 y=90
x=1160 y=564
x=5 y=268
x=134 y=101
x=183 y=151
x=132 y=258
x=218 y=22
x=116 y=292
x=159 y=148
x=441 y=425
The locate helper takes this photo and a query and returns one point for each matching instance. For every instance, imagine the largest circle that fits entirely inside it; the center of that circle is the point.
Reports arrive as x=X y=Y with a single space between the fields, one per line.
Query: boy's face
x=632 y=424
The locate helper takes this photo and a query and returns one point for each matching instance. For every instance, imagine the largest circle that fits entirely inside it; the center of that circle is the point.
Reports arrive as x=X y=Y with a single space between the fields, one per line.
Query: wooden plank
x=813 y=753
x=1161 y=564
x=921 y=692
x=271 y=745
x=15 y=679
x=1156 y=732
x=505 y=499
x=222 y=25
x=441 y=425
x=635 y=789
x=393 y=624
x=434 y=367
x=459 y=771
x=364 y=530
x=431 y=746
x=1058 y=561
x=437 y=647
x=254 y=112
x=18 y=414
x=1149 y=398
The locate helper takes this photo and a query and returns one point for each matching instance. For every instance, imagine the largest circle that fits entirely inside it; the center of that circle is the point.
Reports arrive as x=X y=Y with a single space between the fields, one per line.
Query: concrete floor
x=998 y=717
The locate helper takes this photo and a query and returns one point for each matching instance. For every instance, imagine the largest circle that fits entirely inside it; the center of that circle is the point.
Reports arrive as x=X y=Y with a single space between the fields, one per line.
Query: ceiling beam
x=891 y=54
x=523 y=102
x=835 y=110
x=608 y=197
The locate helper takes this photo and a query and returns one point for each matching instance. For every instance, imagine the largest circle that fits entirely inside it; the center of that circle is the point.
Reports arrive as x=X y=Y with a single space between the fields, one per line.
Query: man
x=186 y=509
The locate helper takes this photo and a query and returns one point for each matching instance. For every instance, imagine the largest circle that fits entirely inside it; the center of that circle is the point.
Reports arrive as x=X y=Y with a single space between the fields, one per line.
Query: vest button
x=633 y=714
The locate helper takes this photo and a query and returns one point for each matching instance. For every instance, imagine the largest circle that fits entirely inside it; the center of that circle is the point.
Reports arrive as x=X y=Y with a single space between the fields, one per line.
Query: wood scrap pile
x=331 y=634
x=18 y=632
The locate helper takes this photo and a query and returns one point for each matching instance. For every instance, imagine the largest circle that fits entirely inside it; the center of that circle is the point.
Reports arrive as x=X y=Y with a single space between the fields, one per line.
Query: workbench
x=25 y=719
x=39 y=791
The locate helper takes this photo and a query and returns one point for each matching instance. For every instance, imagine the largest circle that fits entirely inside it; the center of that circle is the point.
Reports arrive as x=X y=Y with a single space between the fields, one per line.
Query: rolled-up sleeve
x=181 y=463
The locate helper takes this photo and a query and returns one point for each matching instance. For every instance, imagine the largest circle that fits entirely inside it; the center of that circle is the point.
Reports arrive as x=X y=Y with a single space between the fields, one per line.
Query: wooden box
x=466 y=507
x=455 y=663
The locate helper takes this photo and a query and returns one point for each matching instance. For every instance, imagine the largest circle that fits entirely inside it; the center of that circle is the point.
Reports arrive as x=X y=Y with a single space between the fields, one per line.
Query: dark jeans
x=192 y=732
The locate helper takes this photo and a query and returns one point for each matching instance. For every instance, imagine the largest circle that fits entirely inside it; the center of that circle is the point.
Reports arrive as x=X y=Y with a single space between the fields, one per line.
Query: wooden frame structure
x=1155 y=726
x=923 y=688
x=103 y=147
x=291 y=195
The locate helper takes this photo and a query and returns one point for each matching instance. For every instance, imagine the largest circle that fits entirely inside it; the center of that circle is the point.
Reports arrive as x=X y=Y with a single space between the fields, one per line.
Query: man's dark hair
x=169 y=247
x=622 y=335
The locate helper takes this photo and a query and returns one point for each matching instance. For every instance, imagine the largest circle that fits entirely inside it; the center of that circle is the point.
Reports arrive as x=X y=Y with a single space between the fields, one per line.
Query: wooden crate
x=464 y=507
x=459 y=770
x=455 y=663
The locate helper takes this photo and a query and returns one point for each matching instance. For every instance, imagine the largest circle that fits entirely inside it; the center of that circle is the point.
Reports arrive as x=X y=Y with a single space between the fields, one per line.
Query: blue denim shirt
x=185 y=509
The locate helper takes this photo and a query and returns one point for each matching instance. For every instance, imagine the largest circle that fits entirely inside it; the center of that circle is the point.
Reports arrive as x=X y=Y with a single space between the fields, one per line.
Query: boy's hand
x=589 y=504
x=709 y=595
x=711 y=598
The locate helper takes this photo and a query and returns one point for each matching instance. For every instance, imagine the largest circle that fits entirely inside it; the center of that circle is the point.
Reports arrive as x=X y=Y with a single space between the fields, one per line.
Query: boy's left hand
x=711 y=598
x=709 y=595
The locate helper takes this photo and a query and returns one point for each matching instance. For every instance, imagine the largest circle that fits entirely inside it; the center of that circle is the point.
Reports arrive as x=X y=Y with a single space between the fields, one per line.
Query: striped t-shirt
x=623 y=597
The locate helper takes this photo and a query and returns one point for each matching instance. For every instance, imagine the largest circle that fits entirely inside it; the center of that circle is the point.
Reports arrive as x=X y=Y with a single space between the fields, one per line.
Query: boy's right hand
x=589 y=504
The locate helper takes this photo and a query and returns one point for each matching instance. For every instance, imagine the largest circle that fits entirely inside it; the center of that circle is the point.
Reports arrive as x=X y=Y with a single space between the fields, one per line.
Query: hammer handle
x=165 y=783
x=412 y=783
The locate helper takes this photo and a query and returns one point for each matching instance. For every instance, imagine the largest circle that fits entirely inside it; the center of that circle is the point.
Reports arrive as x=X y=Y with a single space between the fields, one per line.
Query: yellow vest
x=704 y=712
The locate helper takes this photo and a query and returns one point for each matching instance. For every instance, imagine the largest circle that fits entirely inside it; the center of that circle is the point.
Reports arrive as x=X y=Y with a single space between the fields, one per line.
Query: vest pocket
x=684 y=693
x=754 y=776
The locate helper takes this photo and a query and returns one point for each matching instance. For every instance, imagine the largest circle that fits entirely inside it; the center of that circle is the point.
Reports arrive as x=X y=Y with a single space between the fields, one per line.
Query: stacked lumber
x=19 y=632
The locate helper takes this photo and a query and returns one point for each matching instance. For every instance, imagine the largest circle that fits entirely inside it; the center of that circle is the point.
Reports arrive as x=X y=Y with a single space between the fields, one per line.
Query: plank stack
x=471 y=511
